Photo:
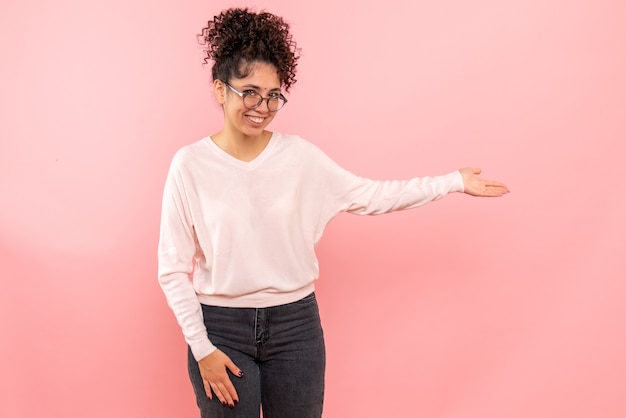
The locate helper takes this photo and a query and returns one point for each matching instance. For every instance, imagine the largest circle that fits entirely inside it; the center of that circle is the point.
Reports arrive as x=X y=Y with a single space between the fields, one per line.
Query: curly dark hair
x=237 y=38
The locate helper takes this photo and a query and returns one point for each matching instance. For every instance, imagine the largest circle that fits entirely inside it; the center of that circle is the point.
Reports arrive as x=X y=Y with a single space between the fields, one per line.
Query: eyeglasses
x=252 y=99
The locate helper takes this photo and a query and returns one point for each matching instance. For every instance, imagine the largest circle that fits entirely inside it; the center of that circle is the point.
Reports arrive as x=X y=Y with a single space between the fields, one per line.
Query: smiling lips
x=255 y=119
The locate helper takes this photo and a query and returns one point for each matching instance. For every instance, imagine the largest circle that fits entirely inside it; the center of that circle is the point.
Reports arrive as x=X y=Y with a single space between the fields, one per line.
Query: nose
x=264 y=106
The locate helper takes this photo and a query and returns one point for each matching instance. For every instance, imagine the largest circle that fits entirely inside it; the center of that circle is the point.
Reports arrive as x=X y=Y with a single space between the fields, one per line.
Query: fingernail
x=240 y=374
x=224 y=403
x=231 y=406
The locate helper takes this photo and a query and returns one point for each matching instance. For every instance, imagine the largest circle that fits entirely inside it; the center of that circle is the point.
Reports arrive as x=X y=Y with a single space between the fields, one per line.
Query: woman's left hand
x=475 y=186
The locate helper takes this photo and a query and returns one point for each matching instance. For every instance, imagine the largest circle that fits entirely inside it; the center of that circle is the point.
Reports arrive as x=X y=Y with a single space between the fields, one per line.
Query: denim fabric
x=281 y=352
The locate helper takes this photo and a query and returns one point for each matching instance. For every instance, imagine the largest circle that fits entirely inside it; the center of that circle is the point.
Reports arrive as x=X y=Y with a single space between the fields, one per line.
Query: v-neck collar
x=236 y=161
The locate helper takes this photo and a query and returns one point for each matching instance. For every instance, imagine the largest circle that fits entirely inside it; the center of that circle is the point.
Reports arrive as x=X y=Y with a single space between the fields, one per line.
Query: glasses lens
x=251 y=100
x=275 y=103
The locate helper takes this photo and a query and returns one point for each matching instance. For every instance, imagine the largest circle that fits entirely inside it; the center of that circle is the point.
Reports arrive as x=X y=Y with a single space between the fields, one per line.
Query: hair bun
x=238 y=36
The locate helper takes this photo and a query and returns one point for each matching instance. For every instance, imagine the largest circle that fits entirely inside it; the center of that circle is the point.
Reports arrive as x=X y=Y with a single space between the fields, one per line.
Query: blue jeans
x=281 y=352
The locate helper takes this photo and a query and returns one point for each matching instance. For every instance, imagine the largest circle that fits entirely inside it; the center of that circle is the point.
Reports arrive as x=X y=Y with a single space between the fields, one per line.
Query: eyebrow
x=259 y=88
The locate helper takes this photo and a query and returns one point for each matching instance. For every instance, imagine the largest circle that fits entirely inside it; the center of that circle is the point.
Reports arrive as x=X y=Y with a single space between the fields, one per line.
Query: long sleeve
x=177 y=248
x=369 y=197
x=350 y=193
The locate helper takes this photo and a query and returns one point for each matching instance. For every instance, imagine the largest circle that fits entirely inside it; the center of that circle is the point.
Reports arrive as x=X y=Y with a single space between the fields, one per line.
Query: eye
x=275 y=95
x=251 y=93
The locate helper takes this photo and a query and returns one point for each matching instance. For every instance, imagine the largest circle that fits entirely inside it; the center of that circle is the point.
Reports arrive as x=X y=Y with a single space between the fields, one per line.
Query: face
x=238 y=119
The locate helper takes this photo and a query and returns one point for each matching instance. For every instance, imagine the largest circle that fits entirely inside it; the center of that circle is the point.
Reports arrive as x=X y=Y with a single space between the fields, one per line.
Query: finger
x=476 y=170
x=221 y=394
x=234 y=369
x=501 y=189
x=229 y=392
x=492 y=183
x=495 y=191
x=207 y=389
x=489 y=186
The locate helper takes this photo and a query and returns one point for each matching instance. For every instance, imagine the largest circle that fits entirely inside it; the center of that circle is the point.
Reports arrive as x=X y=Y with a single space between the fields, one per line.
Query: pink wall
x=467 y=308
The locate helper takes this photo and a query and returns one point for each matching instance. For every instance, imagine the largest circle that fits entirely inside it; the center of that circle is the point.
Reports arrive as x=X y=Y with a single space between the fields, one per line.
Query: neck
x=243 y=147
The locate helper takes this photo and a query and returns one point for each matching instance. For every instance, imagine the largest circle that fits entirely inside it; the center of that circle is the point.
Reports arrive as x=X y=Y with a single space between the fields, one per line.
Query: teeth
x=255 y=120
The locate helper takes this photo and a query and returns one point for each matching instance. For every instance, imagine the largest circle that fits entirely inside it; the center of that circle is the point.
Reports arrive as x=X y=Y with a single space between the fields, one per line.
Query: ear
x=219 y=89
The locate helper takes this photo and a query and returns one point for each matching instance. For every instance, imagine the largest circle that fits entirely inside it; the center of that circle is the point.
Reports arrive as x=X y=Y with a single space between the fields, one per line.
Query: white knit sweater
x=243 y=234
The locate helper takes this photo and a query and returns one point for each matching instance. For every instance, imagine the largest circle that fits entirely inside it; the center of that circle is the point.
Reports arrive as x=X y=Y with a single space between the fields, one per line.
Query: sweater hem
x=262 y=299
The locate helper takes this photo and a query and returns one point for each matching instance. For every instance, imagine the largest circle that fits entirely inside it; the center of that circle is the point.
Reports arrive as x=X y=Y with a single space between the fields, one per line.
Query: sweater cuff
x=202 y=349
x=457 y=185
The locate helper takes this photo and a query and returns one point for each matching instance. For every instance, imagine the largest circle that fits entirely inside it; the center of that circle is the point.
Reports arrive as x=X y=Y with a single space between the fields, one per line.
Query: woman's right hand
x=213 y=369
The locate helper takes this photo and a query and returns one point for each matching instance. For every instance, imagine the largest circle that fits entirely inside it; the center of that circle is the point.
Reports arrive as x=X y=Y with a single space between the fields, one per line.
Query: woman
x=243 y=211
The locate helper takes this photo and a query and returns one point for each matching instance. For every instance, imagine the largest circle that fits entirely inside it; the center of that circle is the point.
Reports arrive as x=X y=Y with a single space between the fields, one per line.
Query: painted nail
x=231 y=406
x=240 y=374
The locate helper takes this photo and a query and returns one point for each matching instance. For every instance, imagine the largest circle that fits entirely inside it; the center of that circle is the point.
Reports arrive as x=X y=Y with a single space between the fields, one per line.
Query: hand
x=213 y=369
x=476 y=186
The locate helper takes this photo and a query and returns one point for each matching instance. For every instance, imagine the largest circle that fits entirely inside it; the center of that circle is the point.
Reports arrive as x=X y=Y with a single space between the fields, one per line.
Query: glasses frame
x=261 y=98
